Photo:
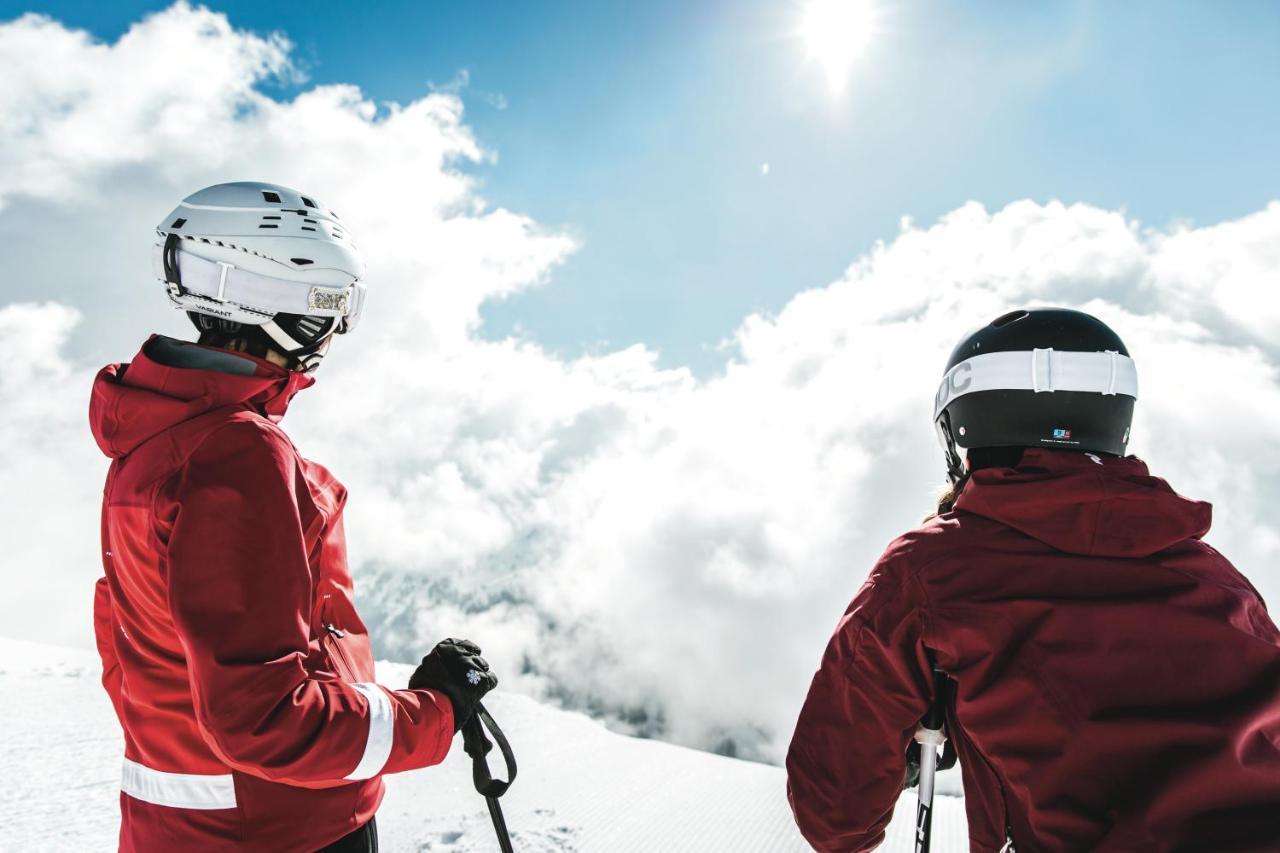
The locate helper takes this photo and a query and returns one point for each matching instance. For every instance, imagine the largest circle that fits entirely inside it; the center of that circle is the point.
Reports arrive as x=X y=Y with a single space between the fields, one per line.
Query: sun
x=836 y=33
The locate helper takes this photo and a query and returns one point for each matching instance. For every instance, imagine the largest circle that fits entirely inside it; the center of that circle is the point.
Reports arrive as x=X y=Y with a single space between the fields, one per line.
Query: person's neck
x=270 y=355
x=242 y=345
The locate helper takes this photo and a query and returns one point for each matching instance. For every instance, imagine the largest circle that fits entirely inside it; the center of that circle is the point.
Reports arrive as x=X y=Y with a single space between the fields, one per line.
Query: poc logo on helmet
x=954 y=383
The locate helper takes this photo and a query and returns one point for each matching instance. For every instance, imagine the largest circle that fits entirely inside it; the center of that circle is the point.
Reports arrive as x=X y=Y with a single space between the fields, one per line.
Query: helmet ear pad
x=306 y=329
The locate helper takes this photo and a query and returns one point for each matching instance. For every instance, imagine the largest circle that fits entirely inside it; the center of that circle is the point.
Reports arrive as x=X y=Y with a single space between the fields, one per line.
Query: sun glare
x=836 y=33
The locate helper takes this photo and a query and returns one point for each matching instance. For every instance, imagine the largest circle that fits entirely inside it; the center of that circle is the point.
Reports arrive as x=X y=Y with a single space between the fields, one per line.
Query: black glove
x=456 y=669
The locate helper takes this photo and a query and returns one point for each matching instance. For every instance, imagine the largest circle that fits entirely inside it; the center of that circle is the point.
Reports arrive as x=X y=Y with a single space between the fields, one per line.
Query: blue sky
x=641 y=128
x=569 y=511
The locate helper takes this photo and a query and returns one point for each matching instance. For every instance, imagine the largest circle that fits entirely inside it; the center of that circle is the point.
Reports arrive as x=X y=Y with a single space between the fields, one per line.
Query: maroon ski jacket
x=231 y=646
x=1118 y=681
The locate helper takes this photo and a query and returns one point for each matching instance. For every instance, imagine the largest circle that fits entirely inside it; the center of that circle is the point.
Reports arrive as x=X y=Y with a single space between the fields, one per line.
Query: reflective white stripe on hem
x=377 y=749
x=178 y=790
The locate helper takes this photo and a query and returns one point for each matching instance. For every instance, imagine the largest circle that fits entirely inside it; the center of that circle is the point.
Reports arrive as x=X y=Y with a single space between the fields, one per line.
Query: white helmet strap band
x=284 y=341
x=1039 y=370
x=224 y=282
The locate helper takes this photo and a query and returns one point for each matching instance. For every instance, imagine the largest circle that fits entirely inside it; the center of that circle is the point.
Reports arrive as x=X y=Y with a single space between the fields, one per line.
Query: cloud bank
x=667 y=551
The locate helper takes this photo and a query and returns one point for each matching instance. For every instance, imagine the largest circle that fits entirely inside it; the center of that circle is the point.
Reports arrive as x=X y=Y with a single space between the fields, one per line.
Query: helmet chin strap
x=169 y=259
x=308 y=356
x=955 y=462
x=310 y=361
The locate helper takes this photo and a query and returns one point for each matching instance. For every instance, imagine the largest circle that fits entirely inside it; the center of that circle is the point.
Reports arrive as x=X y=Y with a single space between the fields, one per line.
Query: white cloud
x=669 y=550
x=49 y=466
x=72 y=109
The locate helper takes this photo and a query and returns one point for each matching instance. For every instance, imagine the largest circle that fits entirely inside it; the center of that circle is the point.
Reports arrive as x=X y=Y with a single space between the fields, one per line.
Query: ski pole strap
x=477 y=745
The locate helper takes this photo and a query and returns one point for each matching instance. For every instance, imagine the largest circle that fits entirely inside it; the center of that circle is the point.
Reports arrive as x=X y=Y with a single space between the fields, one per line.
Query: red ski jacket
x=231 y=647
x=1118 y=681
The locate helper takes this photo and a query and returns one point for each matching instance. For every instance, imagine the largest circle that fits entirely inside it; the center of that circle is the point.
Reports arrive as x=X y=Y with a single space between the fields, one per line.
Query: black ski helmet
x=1041 y=377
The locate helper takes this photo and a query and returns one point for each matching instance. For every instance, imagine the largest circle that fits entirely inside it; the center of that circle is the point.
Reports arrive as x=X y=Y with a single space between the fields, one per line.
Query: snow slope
x=581 y=787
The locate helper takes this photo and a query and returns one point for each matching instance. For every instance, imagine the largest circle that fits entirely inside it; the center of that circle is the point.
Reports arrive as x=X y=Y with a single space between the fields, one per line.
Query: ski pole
x=477 y=745
x=930 y=736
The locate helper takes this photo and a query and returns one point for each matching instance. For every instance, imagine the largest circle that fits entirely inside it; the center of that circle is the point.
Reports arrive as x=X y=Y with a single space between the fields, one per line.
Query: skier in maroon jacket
x=226 y=621
x=1115 y=681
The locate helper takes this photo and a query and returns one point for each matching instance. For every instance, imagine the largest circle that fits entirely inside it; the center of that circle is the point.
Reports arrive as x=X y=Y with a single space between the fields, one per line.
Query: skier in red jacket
x=231 y=647
x=1116 y=680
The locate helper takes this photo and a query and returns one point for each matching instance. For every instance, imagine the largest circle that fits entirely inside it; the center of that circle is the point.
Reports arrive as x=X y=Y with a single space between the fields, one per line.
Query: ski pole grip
x=477 y=745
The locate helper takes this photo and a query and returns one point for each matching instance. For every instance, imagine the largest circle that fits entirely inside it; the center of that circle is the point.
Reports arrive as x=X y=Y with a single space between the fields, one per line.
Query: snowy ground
x=581 y=787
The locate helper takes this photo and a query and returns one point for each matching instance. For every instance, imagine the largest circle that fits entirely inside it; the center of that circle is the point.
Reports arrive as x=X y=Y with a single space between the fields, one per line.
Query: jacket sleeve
x=847 y=761
x=240 y=593
x=103 y=632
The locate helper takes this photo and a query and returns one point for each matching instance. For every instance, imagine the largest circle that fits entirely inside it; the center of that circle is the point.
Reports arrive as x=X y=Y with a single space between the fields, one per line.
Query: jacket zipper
x=337 y=651
x=1009 y=846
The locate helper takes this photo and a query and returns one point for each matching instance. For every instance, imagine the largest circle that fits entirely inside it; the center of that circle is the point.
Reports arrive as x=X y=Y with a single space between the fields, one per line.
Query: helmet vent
x=268 y=195
x=311 y=221
x=268 y=225
x=307 y=228
x=1006 y=319
x=302 y=262
x=178 y=223
x=271 y=217
x=308 y=202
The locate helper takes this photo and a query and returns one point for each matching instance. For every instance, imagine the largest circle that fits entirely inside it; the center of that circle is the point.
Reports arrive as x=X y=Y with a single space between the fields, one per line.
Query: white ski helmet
x=265 y=260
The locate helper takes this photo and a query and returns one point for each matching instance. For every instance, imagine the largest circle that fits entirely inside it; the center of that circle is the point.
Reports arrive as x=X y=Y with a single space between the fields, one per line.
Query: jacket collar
x=1085 y=503
x=171 y=381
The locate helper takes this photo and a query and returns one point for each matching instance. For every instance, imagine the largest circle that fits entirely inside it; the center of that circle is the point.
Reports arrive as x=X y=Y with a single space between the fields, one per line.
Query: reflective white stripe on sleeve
x=377 y=749
x=178 y=790
x=1041 y=371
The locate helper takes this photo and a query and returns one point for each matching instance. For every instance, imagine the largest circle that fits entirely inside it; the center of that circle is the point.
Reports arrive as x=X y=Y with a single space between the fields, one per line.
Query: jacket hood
x=172 y=381
x=1087 y=504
